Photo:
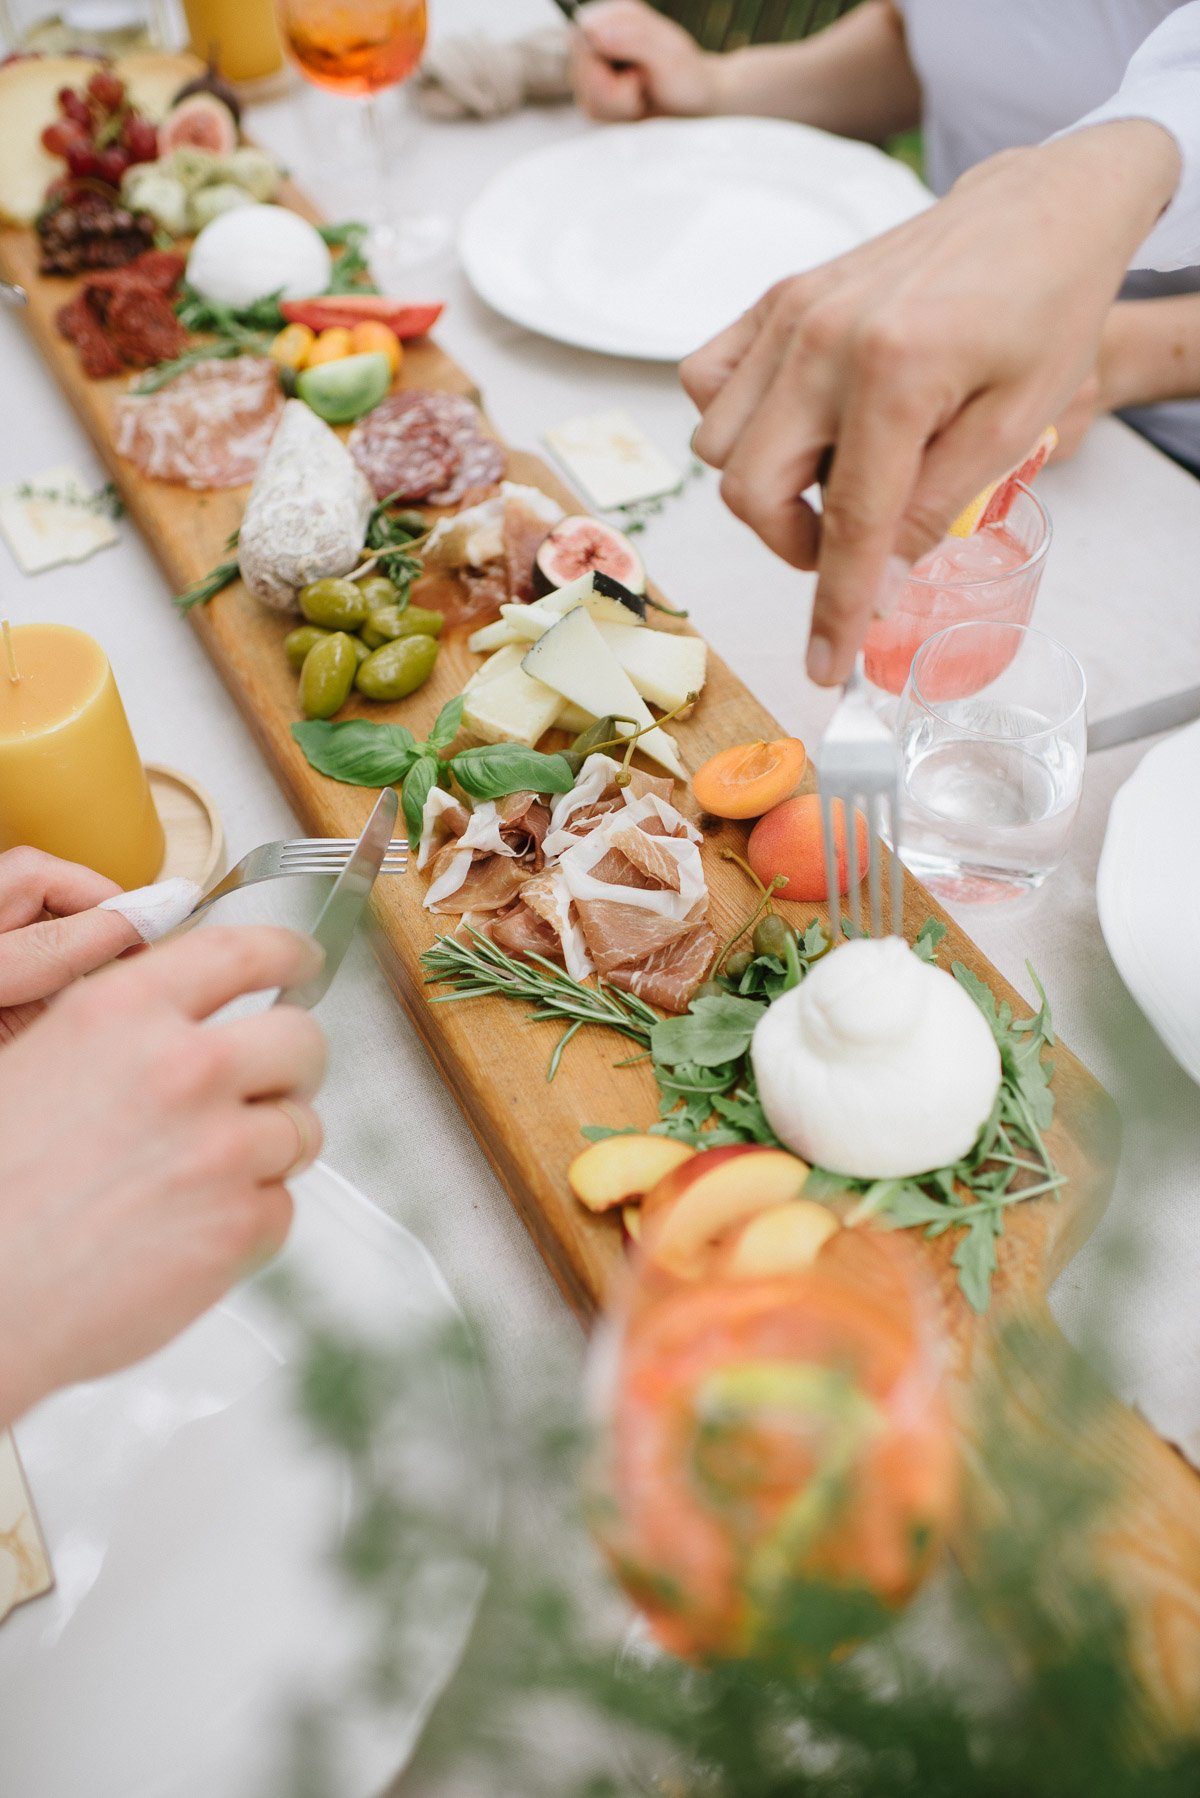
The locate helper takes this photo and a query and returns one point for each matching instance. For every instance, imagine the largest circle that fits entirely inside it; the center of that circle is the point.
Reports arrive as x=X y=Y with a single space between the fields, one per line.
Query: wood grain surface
x=494 y=1061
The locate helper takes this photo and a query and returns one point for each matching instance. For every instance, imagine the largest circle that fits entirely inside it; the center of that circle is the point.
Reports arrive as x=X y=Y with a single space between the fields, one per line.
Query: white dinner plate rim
x=494 y=197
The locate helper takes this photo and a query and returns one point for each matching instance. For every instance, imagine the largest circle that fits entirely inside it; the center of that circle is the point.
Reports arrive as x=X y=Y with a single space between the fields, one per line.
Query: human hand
x=51 y=931
x=1078 y=416
x=907 y=374
x=143 y=1152
x=668 y=72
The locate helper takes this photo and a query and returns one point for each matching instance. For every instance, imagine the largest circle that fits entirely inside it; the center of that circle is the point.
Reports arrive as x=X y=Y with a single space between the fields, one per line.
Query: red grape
x=82 y=160
x=73 y=106
x=107 y=89
x=140 y=138
x=62 y=136
x=111 y=164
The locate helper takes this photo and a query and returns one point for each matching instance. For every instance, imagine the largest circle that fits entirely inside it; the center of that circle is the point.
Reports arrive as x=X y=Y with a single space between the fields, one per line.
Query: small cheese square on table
x=53 y=518
x=612 y=459
x=25 y=1570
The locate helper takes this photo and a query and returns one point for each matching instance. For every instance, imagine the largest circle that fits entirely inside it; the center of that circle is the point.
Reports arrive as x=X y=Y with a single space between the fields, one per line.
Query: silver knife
x=1144 y=720
x=12 y=294
x=339 y=917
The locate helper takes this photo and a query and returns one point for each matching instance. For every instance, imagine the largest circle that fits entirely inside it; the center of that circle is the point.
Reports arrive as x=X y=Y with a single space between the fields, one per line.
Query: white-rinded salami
x=307 y=514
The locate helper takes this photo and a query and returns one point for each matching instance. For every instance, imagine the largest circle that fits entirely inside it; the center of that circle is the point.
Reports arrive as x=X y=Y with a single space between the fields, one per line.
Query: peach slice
x=617 y=1168
x=780 y=1241
x=694 y=1204
x=631 y=1217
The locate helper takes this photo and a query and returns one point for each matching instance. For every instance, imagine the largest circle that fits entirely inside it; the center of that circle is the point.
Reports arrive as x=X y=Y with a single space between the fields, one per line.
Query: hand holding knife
x=569 y=9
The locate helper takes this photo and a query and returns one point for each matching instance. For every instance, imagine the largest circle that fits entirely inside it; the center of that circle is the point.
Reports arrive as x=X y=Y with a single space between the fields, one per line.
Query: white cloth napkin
x=480 y=77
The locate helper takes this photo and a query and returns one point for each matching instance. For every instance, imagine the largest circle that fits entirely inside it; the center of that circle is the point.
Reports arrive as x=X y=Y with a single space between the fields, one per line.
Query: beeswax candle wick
x=14 y=673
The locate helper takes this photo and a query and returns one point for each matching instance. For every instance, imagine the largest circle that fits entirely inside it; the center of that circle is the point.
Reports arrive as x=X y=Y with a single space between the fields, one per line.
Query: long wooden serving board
x=494 y=1061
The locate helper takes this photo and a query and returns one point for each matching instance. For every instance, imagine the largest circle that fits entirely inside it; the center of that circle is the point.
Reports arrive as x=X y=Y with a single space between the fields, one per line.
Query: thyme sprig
x=223 y=575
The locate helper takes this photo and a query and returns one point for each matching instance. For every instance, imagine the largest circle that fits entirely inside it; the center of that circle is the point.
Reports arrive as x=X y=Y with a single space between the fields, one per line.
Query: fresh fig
x=579 y=544
x=201 y=120
x=212 y=82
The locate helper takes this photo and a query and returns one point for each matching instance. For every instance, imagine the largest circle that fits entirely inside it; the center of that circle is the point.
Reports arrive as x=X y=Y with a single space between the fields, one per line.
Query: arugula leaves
x=712 y=1032
x=366 y=754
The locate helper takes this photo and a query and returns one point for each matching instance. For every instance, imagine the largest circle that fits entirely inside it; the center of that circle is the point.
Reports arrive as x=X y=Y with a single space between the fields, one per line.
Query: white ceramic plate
x=190 y=1522
x=644 y=240
x=1148 y=892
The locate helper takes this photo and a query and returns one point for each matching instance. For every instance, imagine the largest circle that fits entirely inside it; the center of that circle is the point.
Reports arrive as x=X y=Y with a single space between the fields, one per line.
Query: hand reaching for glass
x=144 y=1149
x=907 y=374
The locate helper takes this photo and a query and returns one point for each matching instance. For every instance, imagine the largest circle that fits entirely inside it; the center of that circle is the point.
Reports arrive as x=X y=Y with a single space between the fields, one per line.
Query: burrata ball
x=253 y=251
x=878 y=1065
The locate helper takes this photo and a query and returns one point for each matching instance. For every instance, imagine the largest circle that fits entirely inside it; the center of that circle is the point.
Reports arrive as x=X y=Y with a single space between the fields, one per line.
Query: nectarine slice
x=692 y=1206
x=631 y=1217
x=780 y=1241
x=748 y=779
x=788 y=842
x=617 y=1168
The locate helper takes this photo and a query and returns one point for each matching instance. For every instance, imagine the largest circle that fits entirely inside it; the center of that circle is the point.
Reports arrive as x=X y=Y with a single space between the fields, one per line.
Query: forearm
x=1150 y=352
x=854 y=78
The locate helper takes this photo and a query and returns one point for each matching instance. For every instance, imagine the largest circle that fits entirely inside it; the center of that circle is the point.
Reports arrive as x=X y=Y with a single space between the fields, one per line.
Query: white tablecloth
x=1120 y=588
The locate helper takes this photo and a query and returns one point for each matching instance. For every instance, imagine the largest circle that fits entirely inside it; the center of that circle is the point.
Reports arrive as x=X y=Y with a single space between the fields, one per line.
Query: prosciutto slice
x=485 y=855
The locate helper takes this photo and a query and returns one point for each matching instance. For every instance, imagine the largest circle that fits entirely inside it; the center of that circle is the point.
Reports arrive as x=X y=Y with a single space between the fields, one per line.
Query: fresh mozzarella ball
x=877 y=1065
x=253 y=251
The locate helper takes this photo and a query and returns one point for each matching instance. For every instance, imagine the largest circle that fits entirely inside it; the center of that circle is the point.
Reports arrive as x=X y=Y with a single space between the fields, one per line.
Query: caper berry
x=603 y=730
x=710 y=989
x=336 y=604
x=398 y=668
x=297 y=643
x=327 y=675
x=736 y=963
x=771 y=936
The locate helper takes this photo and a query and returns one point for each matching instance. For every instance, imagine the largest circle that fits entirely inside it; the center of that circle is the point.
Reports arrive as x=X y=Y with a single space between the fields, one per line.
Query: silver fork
x=304 y=855
x=859 y=764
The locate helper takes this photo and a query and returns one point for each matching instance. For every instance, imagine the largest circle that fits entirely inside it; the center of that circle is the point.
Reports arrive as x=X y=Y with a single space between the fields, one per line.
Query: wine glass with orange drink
x=362 y=48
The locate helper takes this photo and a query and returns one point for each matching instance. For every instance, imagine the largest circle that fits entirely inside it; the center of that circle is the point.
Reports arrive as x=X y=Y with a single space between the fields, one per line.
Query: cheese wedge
x=25 y=1570
x=511 y=707
x=575 y=661
x=663 y=667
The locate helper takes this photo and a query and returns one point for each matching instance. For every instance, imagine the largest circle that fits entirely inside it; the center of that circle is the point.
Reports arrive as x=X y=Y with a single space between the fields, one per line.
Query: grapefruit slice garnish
x=995 y=502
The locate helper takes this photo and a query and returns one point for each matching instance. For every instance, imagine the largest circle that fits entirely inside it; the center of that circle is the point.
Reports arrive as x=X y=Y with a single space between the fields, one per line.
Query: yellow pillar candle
x=71 y=781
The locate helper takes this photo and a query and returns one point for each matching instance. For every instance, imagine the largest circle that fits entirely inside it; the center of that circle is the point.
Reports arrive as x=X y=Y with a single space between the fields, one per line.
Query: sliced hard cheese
x=504 y=659
x=491 y=636
x=575 y=661
x=573 y=718
x=511 y=707
x=53 y=518
x=664 y=668
x=582 y=592
x=25 y=1570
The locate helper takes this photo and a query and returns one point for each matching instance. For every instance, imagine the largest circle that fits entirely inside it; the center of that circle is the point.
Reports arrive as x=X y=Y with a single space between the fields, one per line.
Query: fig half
x=580 y=545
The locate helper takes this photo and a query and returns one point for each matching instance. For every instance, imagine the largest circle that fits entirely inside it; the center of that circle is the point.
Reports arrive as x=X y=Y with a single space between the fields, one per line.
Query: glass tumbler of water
x=992 y=740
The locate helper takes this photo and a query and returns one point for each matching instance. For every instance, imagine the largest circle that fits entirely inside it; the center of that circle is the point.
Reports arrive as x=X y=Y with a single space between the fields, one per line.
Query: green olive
x=389 y=622
x=297 y=643
x=378 y=589
x=327 y=676
x=736 y=963
x=362 y=649
x=398 y=668
x=604 y=730
x=338 y=605
x=771 y=936
x=710 y=989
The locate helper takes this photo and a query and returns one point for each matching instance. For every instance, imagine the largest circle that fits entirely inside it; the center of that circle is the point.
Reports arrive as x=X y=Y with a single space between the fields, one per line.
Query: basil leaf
x=356 y=751
x=446 y=725
x=714 y=1031
x=421 y=777
x=493 y=769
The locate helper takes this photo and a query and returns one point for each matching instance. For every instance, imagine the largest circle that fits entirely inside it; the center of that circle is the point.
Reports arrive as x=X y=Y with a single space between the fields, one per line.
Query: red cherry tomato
x=107 y=89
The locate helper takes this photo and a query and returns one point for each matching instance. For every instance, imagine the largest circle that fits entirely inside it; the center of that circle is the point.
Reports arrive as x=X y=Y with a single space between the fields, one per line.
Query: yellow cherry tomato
x=330 y=346
x=290 y=349
x=373 y=334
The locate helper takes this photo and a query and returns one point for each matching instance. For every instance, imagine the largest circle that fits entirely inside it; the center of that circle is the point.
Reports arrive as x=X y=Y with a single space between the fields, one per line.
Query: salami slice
x=423 y=445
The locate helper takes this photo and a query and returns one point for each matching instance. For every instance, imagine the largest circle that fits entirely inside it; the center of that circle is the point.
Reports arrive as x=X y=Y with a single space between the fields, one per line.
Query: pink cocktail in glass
x=992 y=576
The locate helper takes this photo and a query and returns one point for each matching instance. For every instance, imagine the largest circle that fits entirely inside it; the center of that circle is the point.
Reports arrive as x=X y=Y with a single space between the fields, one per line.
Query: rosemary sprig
x=246 y=343
x=477 y=968
x=201 y=591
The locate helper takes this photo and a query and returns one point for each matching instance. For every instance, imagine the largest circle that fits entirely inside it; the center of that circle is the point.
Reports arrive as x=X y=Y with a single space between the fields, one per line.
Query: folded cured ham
x=608 y=882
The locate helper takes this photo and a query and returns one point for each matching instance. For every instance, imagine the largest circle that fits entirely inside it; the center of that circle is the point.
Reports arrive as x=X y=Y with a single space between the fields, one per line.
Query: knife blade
x=341 y=913
x=1144 y=720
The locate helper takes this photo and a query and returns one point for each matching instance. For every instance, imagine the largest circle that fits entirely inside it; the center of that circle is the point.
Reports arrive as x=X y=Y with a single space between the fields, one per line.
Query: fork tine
x=875 y=862
x=897 y=870
x=832 y=883
x=854 y=873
